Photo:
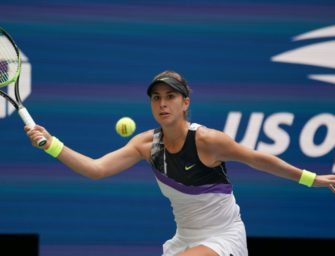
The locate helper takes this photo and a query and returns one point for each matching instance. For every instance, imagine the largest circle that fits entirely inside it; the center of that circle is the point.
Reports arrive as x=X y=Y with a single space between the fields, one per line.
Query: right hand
x=36 y=133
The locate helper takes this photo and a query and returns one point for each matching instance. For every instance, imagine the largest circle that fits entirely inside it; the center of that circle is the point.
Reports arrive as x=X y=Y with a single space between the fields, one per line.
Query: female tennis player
x=188 y=160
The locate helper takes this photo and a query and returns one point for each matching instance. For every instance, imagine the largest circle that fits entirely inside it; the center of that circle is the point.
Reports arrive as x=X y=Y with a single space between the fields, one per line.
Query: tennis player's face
x=168 y=105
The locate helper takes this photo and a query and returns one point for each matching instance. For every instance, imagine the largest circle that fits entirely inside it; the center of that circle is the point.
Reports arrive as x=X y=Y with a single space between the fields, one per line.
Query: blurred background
x=88 y=63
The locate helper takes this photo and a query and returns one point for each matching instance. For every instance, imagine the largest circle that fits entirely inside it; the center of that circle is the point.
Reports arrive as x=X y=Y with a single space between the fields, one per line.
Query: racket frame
x=17 y=102
x=18 y=71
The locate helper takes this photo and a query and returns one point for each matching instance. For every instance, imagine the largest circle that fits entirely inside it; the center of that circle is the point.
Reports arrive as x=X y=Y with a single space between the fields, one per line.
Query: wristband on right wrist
x=307 y=178
x=55 y=147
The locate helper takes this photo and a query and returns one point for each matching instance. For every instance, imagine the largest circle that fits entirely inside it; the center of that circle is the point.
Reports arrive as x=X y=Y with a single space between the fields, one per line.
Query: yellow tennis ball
x=125 y=126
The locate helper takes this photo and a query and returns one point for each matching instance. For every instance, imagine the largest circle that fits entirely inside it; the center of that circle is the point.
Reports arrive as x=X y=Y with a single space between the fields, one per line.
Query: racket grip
x=29 y=121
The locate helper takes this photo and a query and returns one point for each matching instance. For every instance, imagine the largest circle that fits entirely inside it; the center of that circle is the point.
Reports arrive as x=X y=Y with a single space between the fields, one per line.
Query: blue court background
x=91 y=64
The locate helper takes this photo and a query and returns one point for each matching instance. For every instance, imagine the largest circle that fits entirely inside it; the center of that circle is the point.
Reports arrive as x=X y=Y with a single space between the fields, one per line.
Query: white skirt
x=231 y=242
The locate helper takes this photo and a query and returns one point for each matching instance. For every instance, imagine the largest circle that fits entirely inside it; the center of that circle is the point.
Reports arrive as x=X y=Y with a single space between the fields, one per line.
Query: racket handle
x=28 y=120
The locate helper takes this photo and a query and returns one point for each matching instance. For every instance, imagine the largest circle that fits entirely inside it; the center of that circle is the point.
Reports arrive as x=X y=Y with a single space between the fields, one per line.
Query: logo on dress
x=189 y=167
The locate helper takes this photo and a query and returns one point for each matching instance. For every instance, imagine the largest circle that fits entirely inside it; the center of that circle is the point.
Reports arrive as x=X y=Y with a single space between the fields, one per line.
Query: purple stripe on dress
x=194 y=190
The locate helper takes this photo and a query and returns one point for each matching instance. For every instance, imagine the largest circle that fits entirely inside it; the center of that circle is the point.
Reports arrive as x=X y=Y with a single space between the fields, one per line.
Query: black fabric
x=172 y=82
x=185 y=166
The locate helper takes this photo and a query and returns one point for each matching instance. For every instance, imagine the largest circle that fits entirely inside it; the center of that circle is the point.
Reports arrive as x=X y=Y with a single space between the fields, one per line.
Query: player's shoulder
x=144 y=137
x=209 y=136
x=206 y=133
x=142 y=143
x=212 y=143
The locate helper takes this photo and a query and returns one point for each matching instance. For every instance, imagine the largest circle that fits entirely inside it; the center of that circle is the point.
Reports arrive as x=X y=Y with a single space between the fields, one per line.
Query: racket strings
x=9 y=60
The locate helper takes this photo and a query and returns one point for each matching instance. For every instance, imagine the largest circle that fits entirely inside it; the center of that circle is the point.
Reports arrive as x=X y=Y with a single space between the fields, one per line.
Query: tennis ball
x=125 y=126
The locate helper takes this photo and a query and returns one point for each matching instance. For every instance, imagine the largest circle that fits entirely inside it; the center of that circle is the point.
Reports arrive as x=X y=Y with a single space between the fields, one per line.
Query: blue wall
x=91 y=64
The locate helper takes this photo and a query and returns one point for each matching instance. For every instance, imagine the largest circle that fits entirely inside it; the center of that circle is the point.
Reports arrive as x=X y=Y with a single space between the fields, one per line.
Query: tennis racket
x=10 y=68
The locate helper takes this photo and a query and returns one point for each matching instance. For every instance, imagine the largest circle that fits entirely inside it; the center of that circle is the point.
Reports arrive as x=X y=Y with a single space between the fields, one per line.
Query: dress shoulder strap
x=194 y=126
x=156 y=142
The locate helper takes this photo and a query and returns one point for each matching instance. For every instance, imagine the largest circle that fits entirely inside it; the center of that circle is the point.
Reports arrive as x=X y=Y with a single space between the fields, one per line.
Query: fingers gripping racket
x=10 y=68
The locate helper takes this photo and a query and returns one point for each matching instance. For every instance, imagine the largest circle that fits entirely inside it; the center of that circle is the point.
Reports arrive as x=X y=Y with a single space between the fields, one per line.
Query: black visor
x=172 y=82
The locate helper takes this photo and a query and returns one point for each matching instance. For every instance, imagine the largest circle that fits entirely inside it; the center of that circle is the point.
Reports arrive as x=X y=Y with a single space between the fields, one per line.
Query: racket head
x=10 y=59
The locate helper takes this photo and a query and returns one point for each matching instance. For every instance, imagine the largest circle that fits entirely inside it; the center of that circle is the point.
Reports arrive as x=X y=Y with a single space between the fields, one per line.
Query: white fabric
x=211 y=219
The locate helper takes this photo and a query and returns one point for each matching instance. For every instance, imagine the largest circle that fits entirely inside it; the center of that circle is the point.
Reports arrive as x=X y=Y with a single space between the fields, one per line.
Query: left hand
x=325 y=181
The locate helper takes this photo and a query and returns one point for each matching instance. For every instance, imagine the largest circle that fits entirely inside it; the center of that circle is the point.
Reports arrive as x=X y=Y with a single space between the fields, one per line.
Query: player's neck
x=174 y=136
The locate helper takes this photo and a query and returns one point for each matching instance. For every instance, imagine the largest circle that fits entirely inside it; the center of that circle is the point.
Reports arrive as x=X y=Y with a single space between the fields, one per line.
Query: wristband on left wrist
x=307 y=178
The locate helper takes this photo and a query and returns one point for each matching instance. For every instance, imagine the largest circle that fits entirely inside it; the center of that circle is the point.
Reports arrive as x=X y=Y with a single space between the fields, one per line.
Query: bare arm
x=223 y=148
x=107 y=165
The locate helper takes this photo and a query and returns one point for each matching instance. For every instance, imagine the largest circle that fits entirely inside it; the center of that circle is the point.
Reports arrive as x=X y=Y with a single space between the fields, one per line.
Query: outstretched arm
x=107 y=165
x=276 y=166
x=223 y=148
